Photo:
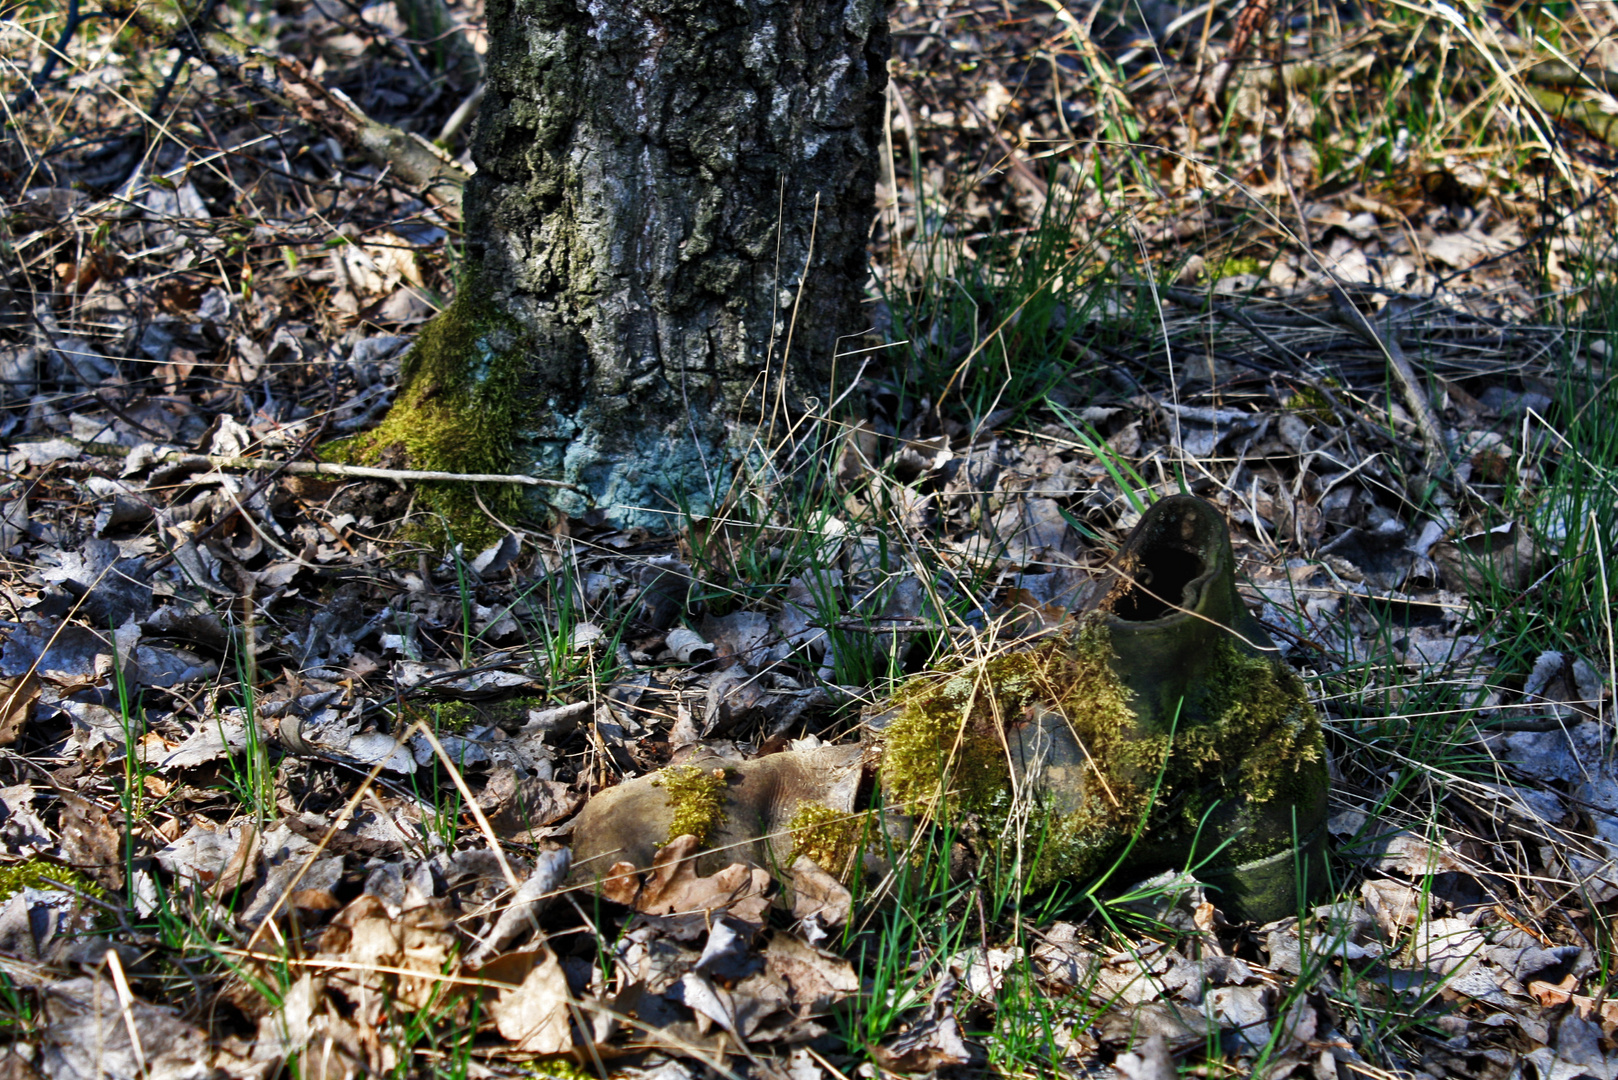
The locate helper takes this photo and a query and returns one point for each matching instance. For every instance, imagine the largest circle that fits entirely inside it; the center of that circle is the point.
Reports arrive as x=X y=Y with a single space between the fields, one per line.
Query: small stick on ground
x=1432 y=436
x=326 y=468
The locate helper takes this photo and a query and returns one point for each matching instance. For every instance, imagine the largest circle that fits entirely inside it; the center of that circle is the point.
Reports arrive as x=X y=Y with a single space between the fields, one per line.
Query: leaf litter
x=236 y=850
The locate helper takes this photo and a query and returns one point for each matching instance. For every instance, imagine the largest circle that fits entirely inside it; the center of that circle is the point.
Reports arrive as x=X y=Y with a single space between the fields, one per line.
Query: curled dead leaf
x=377 y=947
x=534 y=1015
x=17 y=697
x=818 y=895
x=673 y=887
x=933 y=1042
x=90 y=843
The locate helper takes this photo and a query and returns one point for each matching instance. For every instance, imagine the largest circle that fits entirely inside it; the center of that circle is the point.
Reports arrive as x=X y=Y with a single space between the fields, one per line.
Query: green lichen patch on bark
x=697 y=797
x=462 y=409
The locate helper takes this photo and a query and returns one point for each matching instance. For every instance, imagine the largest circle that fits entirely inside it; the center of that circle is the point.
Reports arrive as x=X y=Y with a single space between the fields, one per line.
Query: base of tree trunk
x=467 y=404
x=665 y=242
x=461 y=407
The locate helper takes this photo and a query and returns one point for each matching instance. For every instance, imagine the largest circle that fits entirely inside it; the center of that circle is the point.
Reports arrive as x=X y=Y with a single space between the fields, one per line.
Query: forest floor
x=283 y=784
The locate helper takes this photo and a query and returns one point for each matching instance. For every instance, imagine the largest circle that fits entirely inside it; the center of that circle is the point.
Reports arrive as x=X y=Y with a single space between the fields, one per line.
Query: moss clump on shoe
x=948 y=737
x=1262 y=708
x=1078 y=770
x=1162 y=721
x=941 y=753
x=828 y=838
x=697 y=797
x=946 y=734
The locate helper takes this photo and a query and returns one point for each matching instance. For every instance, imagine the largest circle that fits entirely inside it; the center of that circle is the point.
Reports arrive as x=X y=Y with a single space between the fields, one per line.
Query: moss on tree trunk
x=667 y=192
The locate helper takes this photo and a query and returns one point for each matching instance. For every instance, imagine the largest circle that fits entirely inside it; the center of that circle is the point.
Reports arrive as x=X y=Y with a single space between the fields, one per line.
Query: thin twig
x=326 y=468
x=53 y=56
x=1432 y=436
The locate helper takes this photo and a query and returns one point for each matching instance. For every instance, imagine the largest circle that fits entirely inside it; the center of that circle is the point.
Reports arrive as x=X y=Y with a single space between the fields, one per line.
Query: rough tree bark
x=668 y=192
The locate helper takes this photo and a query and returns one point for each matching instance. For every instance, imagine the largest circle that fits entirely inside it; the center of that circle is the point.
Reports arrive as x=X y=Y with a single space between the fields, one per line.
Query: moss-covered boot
x=1159 y=731
x=1166 y=650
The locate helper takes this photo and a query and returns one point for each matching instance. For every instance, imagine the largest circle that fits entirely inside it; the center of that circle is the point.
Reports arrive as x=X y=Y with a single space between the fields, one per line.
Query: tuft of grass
x=910 y=924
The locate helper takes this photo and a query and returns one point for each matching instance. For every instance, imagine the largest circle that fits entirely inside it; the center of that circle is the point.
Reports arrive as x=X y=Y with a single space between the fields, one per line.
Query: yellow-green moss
x=1232 y=267
x=460 y=715
x=558 y=1069
x=827 y=837
x=698 y=798
x=943 y=740
x=42 y=875
x=1262 y=730
x=1249 y=737
x=460 y=409
x=1313 y=404
x=947 y=732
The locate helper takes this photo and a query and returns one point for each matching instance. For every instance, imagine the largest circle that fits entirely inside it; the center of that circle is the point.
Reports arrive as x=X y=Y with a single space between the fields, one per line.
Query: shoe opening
x=1155 y=584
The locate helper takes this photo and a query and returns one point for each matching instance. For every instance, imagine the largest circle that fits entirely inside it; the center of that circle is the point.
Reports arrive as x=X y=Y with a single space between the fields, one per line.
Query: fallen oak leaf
x=1562 y=993
x=818 y=980
x=17 y=697
x=535 y=1014
x=817 y=895
x=90 y=843
x=398 y=961
x=673 y=887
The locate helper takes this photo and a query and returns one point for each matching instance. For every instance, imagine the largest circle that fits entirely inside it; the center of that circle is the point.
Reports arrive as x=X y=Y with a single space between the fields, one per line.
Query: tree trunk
x=666 y=238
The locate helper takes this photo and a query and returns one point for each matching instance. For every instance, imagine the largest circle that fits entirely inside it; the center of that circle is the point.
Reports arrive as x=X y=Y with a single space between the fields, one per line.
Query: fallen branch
x=1432 y=436
x=1299 y=373
x=407 y=155
x=326 y=468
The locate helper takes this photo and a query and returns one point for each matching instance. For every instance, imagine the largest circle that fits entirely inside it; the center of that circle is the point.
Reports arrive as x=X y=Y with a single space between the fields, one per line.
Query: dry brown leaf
x=363 y=934
x=239 y=870
x=521 y=912
x=673 y=887
x=534 y=1016
x=1154 y=1062
x=1562 y=993
x=90 y=843
x=378 y=267
x=1507 y=555
x=818 y=980
x=1405 y=852
x=935 y=1042
x=521 y=809
x=817 y=894
x=621 y=884
x=93 y=1033
x=1395 y=905
x=17 y=697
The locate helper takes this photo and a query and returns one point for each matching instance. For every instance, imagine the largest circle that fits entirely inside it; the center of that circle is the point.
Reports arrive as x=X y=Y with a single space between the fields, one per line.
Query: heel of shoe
x=1273 y=887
